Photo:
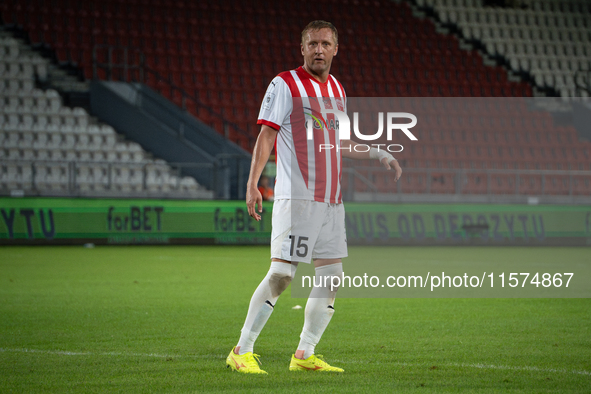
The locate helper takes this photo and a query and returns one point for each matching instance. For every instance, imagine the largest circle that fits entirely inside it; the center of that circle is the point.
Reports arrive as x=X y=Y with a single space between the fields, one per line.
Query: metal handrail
x=459 y=177
x=110 y=65
x=354 y=174
x=586 y=74
x=482 y=171
x=364 y=180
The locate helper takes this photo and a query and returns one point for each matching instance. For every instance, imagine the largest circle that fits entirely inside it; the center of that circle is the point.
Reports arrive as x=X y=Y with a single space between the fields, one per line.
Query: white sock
x=263 y=301
x=319 y=309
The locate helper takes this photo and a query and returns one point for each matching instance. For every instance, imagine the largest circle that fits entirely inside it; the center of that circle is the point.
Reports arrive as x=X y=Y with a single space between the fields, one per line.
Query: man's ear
x=302 y=49
x=336 y=49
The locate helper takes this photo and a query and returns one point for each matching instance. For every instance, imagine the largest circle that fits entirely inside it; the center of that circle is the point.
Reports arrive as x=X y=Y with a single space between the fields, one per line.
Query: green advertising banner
x=120 y=221
x=147 y=221
x=468 y=224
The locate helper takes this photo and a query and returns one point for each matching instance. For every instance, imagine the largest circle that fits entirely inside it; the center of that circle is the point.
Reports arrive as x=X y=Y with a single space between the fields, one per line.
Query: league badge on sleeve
x=269 y=99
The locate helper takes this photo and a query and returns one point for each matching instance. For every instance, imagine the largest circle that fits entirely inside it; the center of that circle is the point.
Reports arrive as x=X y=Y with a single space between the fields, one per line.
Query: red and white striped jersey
x=304 y=171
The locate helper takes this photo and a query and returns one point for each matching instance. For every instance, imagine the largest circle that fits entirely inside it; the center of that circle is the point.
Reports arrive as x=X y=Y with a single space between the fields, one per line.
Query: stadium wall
x=170 y=133
x=59 y=221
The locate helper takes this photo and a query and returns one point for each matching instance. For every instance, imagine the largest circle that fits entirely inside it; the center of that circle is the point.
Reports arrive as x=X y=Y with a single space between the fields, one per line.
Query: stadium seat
x=424 y=63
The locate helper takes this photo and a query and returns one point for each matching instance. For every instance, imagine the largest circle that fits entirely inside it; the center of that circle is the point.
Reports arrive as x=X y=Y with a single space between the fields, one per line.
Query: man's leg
x=263 y=301
x=331 y=241
x=319 y=311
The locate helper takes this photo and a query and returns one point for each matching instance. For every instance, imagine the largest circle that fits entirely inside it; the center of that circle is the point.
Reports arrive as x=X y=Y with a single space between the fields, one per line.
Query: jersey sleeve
x=277 y=104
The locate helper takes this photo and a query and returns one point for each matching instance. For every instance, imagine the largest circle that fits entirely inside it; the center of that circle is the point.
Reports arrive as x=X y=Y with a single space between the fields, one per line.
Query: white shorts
x=303 y=230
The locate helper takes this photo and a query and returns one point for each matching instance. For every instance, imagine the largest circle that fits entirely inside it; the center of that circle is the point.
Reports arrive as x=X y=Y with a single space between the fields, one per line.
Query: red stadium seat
x=503 y=183
x=530 y=184
x=557 y=184
x=474 y=183
x=226 y=59
x=581 y=185
x=443 y=183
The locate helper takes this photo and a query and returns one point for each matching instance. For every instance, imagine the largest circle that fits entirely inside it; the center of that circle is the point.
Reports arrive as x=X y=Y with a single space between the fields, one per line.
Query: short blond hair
x=317 y=25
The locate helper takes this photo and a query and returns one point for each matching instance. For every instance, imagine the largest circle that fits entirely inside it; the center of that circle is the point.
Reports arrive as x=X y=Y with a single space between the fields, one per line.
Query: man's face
x=318 y=50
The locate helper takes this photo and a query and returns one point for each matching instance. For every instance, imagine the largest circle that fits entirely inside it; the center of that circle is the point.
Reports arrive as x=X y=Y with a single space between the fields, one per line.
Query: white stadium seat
x=550 y=36
x=36 y=129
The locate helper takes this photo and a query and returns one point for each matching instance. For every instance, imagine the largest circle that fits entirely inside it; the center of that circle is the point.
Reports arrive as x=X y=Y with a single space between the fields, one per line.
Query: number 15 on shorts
x=299 y=244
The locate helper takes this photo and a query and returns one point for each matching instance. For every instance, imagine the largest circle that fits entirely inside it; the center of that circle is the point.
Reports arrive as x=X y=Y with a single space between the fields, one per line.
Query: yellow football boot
x=246 y=363
x=312 y=363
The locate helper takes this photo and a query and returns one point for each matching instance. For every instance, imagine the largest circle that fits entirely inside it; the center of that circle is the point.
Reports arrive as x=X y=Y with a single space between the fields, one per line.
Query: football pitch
x=163 y=319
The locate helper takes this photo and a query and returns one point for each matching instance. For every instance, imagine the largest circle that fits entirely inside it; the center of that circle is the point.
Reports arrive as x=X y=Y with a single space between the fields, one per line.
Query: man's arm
x=260 y=156
x=348 y=149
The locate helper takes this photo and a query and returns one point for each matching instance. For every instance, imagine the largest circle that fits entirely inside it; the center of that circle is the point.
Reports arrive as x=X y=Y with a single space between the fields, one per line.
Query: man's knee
x=278 y=282
x=282 y=272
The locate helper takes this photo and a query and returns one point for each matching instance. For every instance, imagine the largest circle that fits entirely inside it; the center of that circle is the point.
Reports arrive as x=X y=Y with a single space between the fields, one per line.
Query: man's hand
x=254 y=198
x=260 y=156
x=392 y=163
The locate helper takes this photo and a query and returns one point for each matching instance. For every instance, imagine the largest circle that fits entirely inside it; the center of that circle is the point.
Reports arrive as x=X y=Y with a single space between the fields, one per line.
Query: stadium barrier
x=71 y=178
x=444 y=185
x=53 y=221
x=362 y=184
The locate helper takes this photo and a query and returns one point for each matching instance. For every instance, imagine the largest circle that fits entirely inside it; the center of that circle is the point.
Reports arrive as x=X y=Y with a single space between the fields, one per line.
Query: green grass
x=163 y=319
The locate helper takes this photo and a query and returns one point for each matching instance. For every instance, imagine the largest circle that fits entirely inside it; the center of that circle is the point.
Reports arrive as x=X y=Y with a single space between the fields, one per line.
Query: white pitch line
x=482 y=366
x=526 y=368
x=66 y=353
x=508 y=367
x=462 y=365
